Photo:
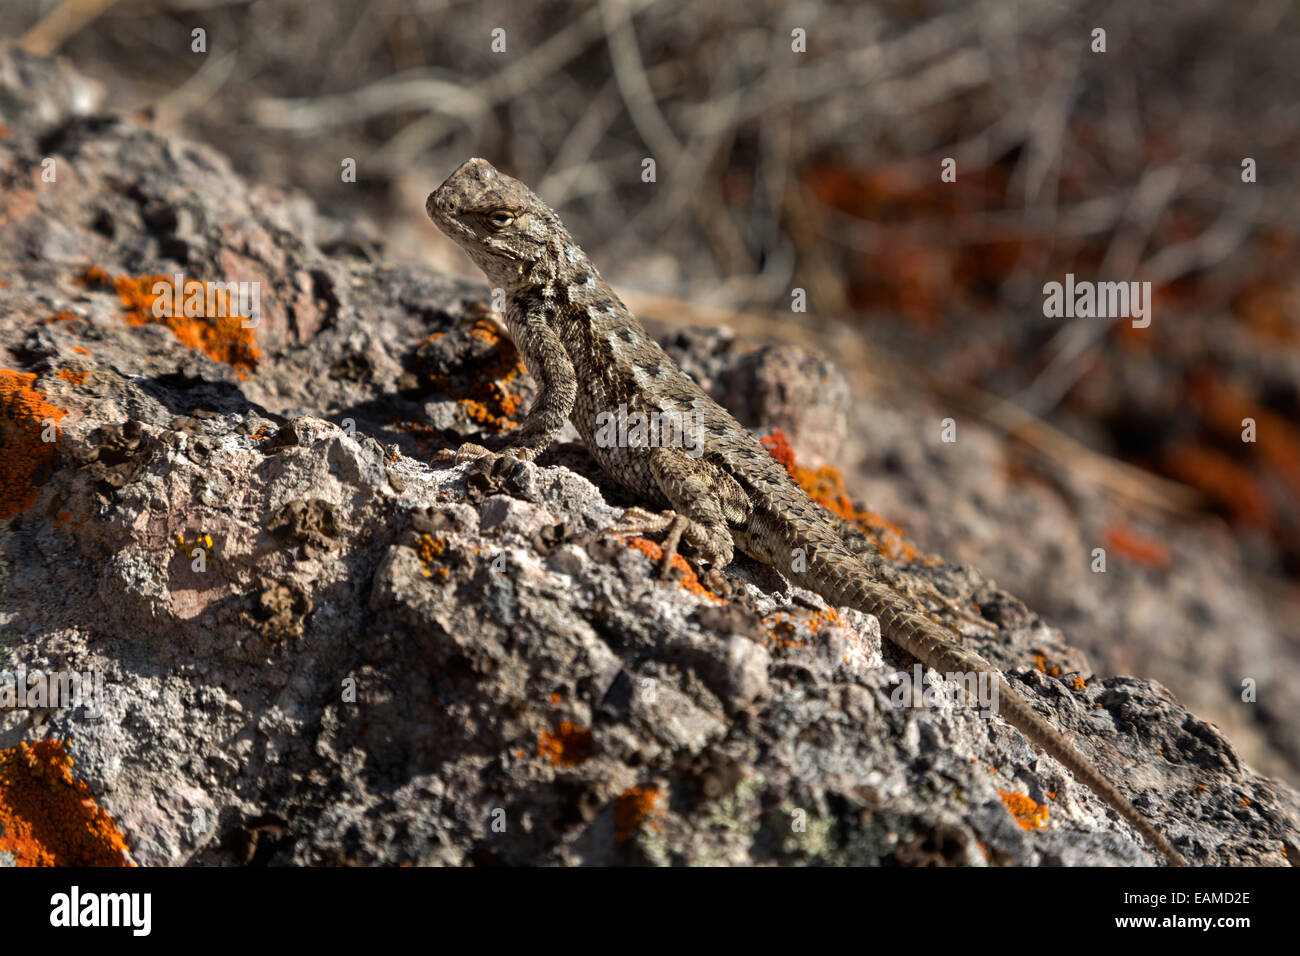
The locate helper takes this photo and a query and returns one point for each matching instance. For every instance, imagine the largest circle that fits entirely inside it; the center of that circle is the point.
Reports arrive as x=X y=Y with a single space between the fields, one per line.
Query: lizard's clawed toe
x=472 y=451
x=675 y=528
x=672 y=540
x=639 y=521
x=449 y=457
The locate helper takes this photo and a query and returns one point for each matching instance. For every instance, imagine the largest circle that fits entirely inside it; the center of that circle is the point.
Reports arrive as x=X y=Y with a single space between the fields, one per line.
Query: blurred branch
x=63 y=22
x=445 y=102
x=195 y=91
x=629 y=71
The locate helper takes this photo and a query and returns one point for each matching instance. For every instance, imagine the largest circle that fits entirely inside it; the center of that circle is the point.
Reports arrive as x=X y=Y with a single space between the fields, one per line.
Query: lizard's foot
x=673 y=526
x=638 y=521
x=470 y=451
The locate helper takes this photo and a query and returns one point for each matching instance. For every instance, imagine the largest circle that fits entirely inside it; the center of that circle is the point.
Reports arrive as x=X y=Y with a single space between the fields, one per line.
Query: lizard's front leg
x=548 y=361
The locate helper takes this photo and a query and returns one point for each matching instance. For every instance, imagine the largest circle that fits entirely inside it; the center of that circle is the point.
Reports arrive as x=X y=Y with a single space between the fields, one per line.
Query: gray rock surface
x=383 y=660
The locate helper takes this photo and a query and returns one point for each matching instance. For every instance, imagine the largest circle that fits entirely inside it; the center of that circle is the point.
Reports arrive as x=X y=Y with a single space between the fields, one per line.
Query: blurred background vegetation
x=820 y=170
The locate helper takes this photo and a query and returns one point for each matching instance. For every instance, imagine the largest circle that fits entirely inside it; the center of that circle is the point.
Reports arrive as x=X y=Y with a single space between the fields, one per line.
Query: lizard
x=590 y=355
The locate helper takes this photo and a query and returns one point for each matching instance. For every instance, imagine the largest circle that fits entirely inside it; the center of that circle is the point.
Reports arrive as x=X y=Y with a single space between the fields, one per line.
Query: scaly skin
x=590 y=355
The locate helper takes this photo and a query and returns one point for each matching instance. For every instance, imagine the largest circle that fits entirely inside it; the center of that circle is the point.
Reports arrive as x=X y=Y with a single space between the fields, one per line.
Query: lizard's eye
x=500 y=219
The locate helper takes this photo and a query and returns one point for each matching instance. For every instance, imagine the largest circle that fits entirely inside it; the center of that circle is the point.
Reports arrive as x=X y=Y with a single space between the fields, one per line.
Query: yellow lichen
x=203 y=541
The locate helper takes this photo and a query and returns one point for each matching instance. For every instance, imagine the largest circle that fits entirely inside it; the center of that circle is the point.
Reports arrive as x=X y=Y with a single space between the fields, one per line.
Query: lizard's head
x=496 y=219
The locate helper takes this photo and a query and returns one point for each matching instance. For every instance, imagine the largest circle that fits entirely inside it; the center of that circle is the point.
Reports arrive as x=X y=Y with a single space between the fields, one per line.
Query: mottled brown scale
x=590 y=354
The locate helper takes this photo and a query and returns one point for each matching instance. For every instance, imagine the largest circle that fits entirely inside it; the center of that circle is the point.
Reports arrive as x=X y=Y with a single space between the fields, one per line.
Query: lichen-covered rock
x=318 y=645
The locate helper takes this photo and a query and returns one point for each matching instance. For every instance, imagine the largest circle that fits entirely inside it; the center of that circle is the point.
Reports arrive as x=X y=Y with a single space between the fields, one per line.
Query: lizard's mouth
x=440 y=209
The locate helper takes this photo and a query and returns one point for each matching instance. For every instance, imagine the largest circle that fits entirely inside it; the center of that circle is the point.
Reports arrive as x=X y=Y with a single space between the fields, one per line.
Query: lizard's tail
x=926 y=641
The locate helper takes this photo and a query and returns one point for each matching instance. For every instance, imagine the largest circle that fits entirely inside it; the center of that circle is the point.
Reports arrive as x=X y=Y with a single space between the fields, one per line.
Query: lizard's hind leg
x=705 y=502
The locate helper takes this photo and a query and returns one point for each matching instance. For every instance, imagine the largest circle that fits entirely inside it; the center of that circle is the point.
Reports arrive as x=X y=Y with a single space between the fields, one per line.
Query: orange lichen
x=689 y=580
x=25 y=459
x=484 y=393
x=636 y=807
x=1030 y=815
x=778 y=446
x=484 y=331
x=48 y=818
x=826 y=486
x=556 y=698
x=818 y=622
x=80 y=351
x=221 y=336
x=66 y=517
x=1079 y=683
x=483 y=415
x=1041 y=662
x=73 y=377
x=784 y=627
x=566 y=746
x=1137 y=548
x=64 y=316
x=430 y=551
